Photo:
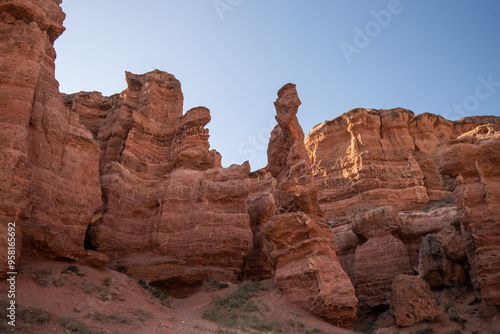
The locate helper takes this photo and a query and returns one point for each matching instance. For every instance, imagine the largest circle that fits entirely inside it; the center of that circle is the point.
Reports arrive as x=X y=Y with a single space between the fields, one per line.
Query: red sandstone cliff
x=302 y=251
x=130 y=179
x=375 y=171
x=50 y=179
x=473 y=160
x=171 y=215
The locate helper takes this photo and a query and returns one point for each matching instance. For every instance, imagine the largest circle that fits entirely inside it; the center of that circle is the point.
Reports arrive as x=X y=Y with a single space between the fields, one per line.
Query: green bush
x=236 y=310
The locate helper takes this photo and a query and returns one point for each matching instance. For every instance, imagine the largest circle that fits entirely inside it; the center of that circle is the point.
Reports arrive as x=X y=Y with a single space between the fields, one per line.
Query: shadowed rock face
x=49 y=161
x=171 y=215
x=302 y=251
x=473 y=161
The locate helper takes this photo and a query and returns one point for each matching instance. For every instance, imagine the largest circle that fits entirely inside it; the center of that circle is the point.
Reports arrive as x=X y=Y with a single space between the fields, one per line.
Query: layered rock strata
x=472 y=160
x=171 y=214
x=302 y=251
x=261 y=207
x=49 y=161
x=377 y=175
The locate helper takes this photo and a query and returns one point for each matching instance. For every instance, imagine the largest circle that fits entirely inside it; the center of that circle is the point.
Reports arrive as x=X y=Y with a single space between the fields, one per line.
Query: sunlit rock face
x=301 y=247
x=171 y=214
x=379 y=173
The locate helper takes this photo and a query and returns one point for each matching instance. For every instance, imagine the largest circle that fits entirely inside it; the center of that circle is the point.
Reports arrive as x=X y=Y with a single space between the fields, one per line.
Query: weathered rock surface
x=366 y=158
x=49 y=161
x=415 y=225
x=375 y=171
x=377 y=262
x=436 y=268
x=261 y=207
x=377 y=222
x=302 y=251
x=165 y=194
x=473 y=161
x=412 y=301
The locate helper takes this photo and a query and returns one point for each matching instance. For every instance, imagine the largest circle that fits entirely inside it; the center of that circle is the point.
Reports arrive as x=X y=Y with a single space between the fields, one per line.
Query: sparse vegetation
x=33 y=315
x=72 y=324
x=157 y=293
x=296 y=323
x=142 y=315
x=236 y=310
x=220 y=330
x=111 y=318
x=44 y=277
x=213 y=284
x=89 y=287
x=72 y=269
x=107 y=280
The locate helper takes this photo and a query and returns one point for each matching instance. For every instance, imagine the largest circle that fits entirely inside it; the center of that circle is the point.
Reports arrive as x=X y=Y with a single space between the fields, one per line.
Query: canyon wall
x=50 y=179
x=473 y=160
x=171 y=214
x=383 y=190
x=129 y=181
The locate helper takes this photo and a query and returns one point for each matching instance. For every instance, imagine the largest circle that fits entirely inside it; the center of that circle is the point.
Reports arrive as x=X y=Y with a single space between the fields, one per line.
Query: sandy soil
x=111 y=302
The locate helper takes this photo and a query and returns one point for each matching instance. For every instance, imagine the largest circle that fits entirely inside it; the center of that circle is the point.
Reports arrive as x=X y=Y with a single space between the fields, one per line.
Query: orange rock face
x=165 y=194
x=472 y=160
x=375 y=171
x=412 y=301
x=50 y=179
x=302 y=250
x=369 y=158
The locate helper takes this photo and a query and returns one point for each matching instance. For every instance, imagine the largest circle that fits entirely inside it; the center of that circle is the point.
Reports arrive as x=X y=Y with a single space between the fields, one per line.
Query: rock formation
x=50 y=179
x=302 y=251
x=436 y=268
x=412 y=301
x=377 y=262
x=472 y=160
x=261 y=207
x=171 y=215
x=376 y=174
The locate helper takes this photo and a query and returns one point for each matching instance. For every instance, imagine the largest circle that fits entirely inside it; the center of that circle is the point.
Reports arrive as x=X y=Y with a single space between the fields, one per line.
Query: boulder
x=376 y=263
x=412 y=301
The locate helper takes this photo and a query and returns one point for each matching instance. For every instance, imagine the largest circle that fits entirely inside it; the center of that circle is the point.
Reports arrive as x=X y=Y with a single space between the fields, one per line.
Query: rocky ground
x=57 y=297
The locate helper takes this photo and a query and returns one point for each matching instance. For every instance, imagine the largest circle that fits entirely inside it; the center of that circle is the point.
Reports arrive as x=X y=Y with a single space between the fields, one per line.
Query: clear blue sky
x=232 y=56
